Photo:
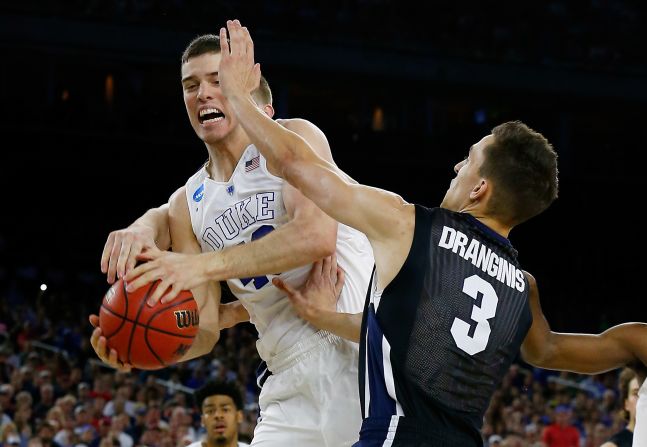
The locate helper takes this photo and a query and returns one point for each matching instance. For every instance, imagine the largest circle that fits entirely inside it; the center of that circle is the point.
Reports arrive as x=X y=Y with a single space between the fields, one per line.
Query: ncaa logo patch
x=198 y=194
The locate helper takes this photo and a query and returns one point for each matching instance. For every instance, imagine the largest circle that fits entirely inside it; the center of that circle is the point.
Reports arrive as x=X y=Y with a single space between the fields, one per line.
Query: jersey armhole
x=267 y=171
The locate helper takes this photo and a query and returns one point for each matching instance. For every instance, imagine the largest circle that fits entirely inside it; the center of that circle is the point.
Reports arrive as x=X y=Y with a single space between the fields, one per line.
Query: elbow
x=323 y=243
x=540 y=355
x=210 y=339
x=326 y=250
x=534 y=359
x=319 y=247
x=289 y=169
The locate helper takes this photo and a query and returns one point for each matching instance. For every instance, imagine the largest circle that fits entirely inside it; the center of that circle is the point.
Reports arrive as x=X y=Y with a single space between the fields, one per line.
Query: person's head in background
x=629 y=386
x=221 y=406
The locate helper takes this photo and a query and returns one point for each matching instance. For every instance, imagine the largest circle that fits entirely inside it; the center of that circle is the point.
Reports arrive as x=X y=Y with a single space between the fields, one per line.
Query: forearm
x=277 y=144
x=208 y=299
x=203 y=343
x=156 y=220
x=344 y=325
x=289 y=246
x=621 y=345
x=232 y=313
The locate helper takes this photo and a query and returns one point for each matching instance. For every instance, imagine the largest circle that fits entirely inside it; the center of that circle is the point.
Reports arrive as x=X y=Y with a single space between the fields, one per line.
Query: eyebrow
x=192 y=77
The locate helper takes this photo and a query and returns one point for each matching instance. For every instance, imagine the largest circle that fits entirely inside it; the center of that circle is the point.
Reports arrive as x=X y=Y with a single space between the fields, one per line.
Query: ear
x=239 y=416
x=269 y=110
x=480 y=190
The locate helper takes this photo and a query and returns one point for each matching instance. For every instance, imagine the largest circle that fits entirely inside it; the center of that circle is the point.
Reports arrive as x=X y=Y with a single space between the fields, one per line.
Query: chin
x=212 y=137
x=219 y=439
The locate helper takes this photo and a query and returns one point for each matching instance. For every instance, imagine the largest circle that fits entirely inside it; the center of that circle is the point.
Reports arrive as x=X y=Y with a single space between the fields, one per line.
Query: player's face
x=203 y=99
x=467 y=177
x=221 y=418
x=632 y=398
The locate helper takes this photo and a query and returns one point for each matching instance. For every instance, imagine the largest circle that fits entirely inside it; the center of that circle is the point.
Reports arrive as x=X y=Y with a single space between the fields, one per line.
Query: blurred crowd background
x=55 y=393
x=94 y=132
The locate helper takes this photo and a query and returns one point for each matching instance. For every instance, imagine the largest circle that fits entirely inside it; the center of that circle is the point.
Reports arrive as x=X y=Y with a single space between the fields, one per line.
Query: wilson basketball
x=148 y=337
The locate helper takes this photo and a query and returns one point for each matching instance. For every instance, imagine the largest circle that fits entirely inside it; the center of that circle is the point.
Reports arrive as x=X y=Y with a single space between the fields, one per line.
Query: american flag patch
x=252 y=164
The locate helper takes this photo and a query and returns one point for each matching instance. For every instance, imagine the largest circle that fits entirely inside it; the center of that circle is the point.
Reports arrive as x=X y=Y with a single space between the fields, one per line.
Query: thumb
x=94 y=320
x=282 y=285
x=148 y=254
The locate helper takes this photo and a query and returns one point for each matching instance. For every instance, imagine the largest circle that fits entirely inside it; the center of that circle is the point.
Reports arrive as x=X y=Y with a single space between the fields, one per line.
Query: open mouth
x=211 y=115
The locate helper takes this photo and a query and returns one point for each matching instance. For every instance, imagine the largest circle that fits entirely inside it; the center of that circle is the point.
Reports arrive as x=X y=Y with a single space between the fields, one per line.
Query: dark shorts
x=409 y=432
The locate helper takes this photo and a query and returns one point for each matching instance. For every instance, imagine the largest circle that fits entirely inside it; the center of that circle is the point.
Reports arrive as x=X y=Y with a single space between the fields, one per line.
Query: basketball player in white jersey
x=250 y=226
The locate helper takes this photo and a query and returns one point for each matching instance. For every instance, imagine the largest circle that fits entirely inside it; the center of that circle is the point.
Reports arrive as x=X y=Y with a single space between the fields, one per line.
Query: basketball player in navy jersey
x=449 y=306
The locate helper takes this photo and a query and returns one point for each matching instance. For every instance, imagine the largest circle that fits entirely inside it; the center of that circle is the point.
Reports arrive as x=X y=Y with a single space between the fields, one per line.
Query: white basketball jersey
x=640 y=431
x=246 y=208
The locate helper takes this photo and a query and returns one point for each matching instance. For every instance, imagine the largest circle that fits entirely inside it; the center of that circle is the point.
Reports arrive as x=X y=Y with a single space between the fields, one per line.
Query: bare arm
x=385 y=218
x=123 y=246
x=621 y=345
x=206 y=295
x=309 y=235
x=230 y=314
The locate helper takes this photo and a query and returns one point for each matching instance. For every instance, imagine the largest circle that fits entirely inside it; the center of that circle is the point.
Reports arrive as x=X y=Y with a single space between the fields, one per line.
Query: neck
x=503 y=230
x=492 y=223
x=224 y=155
x=632 y=424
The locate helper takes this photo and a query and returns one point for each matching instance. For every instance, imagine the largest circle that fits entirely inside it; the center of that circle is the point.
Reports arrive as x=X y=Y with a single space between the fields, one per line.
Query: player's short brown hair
x=523 y=167
x=210 y=43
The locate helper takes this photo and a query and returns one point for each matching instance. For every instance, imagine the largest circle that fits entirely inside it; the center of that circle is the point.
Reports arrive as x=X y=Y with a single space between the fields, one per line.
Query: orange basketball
x=148 y=337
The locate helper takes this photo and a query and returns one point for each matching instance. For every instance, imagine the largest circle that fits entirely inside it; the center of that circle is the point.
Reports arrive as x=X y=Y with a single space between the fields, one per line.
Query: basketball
x=148 y=337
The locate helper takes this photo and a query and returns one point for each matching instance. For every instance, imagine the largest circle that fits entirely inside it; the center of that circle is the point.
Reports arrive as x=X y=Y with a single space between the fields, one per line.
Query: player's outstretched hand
x=122 y=248
x=238 y=75
x=319 y=295
x=99 y=344
x=175 y=271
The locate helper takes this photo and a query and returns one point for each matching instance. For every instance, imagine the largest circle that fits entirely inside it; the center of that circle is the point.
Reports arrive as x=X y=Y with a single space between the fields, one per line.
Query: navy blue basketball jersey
x=437 y=341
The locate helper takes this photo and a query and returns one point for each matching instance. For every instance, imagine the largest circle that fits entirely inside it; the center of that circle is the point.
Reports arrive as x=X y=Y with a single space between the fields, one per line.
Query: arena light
x=43 y=287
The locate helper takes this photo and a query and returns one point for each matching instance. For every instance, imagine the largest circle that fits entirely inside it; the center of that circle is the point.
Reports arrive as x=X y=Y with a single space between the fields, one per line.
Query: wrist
x=240 y=100
x=211 y=266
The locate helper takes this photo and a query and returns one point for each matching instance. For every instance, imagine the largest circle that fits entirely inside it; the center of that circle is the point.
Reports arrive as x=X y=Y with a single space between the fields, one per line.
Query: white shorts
x=311 y=399
x=640 y=432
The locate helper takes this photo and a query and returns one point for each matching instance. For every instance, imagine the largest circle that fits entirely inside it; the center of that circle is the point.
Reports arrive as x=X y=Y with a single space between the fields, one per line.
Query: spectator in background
x=494 y=441
x=628 y=384
x=6 y=394
x=45 y=401
x=138 y=426
x=221 y=405
x=532 y=435
x=120 y=424
x=561 y=433
x=9 y=434
x=46 y=432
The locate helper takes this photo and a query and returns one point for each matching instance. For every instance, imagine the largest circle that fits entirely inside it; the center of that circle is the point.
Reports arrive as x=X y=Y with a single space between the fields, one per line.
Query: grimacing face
x=220 y=417
x=205 y=104
x=467 y=177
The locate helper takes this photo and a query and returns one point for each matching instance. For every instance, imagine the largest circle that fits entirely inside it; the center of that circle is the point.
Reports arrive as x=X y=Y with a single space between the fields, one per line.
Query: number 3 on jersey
x=259 y=281
x=473 y=286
